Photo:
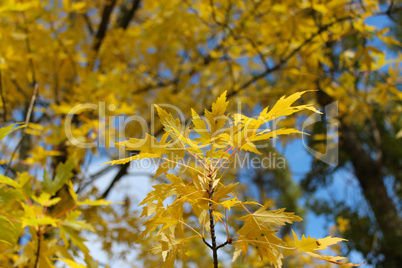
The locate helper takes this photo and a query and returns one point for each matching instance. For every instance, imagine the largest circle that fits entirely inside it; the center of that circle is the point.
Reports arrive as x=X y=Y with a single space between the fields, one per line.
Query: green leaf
x=73 y=222
x=63 y=173
x=7 y=195
x=4 y=131
x=75 y=238
x=10 y=182
x=45 y=200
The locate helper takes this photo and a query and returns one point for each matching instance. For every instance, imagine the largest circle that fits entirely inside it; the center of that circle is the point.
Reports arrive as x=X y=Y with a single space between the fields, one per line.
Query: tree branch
x=123 y=171
x=39 y=235
x=206 y=243
x=89 y=23
x=24 y=135
x=100 y=35
x=129 y=14
x=222 y=245
x=211 y=223
x=3 y=100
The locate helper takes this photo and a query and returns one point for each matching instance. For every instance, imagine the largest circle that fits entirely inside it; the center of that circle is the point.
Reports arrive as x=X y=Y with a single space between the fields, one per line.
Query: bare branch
x=100 y=35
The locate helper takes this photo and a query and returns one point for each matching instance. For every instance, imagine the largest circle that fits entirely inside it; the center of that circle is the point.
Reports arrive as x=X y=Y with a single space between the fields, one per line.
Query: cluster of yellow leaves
x=25 y=205
x=219 y=135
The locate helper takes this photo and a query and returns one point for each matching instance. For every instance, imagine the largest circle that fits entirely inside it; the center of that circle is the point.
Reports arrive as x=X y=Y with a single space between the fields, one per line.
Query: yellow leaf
x=216 y=118
x=131 y=158
x=334 y=259
x=9 y=181
x=71 y=263
x=306 y=244
x=230 y=203
x=272 y=217
x=328 y=241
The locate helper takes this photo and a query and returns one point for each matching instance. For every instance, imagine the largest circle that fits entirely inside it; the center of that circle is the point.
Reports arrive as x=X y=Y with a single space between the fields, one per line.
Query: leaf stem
x=257 y=241
x=180 y=199
x=66 y=211
x=191 y=228
x=226 y=227
x=199 y=160
x=181 y=164
x=222 y=157
x=216 y=171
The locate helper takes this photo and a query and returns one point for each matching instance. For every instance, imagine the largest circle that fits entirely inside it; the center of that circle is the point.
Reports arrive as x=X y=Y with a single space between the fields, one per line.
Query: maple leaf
x=63 y=173
x=148 y=147
x=270 y=217
x=324 y=243
x=170 y=249
x=309 y=245
x=306 y=244
x=216 y=118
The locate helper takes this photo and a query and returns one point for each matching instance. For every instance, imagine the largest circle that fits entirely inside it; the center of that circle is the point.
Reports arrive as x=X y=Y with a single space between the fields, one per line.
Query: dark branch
x=100 y=35
x=3 y=99
x=119 y=175
x=222 y=245
x=38 y=250
x=89 y=24
x=129 y=14
x=211 y=223
x=206 y=243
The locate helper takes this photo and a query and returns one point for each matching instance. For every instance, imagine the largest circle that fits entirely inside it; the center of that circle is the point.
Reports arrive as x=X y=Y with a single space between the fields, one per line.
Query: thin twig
x=190 y=228
x=222 y=157
x=66 y=211
x=3 y=100
x=178 y=163
x=222 y=245
x=181 y=197
x=216 y=171
x=31 y=105
x=196 y=157
x=258 y=241
x=88 y=23
x=39 y=235
x=206 y=243
x=226 y=227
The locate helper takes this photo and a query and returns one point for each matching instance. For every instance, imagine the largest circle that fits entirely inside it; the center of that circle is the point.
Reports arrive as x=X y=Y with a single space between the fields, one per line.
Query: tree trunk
x=368 y=173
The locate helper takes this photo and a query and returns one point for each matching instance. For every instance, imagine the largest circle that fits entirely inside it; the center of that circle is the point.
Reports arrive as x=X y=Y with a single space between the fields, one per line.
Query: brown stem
x=212 y=224
x=39 y=235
